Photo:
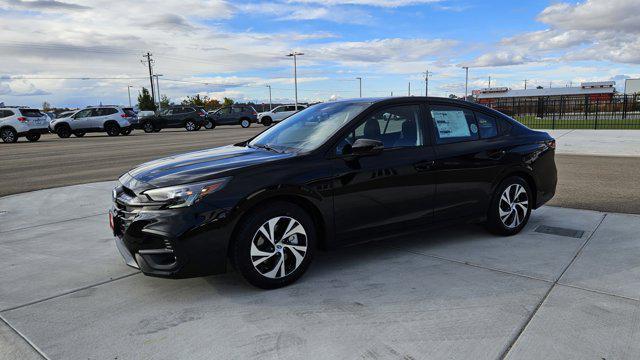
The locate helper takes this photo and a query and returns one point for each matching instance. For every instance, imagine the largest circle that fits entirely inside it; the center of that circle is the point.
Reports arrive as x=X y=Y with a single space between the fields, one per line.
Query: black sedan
x=334 y=174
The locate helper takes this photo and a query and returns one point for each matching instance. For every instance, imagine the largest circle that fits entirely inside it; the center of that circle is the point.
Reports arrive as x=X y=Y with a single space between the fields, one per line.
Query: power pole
x=149 y=61
x=269 y=86
x=157 y=76
x=489 y=81
x=360 y=81
x=525 y=84
x=426 y=83
x=409 y=88
x=129 y=93
x=466 y=81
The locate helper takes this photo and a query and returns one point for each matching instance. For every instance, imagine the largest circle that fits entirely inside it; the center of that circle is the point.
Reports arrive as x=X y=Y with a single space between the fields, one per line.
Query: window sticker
x=474 y=128
x=451 y=123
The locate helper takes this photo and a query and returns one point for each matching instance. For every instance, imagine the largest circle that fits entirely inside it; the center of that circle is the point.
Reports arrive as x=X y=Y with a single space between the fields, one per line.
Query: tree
x=212 y=104
x=165 y=102
x=452 y=96
x=227 y=101
x=194 y=100
x=46 y=106
x=145 y=102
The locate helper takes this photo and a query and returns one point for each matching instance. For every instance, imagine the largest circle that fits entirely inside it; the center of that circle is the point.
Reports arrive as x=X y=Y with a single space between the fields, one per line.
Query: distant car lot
x=57 y=162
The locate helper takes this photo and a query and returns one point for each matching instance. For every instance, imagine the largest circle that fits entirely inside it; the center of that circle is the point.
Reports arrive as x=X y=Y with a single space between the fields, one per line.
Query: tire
x=125 y=132
x=510 y=207
x=209 y=125
x=112 y=129
x=63 y=131
x=296 y=251
x=266 y=121
x=33 y=137
x=245 y=123
x=190 y=125
x=79 y=133
x=8 y=135
x=148 y=127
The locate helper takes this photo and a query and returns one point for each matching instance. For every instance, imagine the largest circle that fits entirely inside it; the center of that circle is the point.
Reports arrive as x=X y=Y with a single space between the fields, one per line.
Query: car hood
x=201 y=165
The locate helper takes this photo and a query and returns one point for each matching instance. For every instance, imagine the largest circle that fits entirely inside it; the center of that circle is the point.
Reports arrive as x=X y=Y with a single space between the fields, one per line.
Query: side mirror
x=364 y=147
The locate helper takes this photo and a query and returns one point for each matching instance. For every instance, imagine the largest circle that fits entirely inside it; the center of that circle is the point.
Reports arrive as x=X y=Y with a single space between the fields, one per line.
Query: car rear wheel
x=9 y=135
x=274 y=245
x=510 y=207
x=33 y=137
x=266 y=121
x=245 y=123
x=190 y=125
x=79 y=133
x=112 y=129
x=63 y=131
x=148 y=127
x=209 y=125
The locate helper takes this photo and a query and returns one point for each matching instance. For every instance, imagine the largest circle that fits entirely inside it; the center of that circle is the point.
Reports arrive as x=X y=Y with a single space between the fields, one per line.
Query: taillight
x=125 y=115
x=551 y=144
x=255 y=113
x=22 y=119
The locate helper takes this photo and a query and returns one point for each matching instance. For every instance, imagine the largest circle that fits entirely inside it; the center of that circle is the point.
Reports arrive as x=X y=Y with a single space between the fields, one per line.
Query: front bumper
x=171 y=243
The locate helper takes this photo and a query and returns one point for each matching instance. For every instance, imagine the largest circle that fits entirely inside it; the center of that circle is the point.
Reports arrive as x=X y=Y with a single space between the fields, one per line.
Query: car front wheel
x=63 y=131
x=9 y=135
x=266 y=121
x=209 y=125
x=245 y=123
x=148 y=127
x=274 y=246
x=125 y=132
x=510 y=207
x=79 y=133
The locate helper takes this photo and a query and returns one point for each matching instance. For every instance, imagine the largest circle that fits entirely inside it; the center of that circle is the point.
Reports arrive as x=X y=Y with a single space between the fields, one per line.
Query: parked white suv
x=114 y=120
x=17 y=122
x=269 y=117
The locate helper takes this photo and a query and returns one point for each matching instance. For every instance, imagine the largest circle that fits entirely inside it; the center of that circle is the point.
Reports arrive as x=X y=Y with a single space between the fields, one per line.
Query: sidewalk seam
x=506 y=352
x=53 y=223
x=68 y=292
x=33 y=346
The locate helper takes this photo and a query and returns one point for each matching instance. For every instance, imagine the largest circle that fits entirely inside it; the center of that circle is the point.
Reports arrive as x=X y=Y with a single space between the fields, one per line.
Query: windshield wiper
x=267 y=147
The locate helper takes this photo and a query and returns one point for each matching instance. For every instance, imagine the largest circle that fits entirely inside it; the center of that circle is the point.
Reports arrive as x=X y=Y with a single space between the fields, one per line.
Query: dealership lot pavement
x=452 y=293
x=589 y=162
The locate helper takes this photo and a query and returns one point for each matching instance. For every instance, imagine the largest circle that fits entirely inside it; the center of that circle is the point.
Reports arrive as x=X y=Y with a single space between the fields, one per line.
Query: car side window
x=5 y=113
x=237 y=110
x=396 y=127
x=453 y=124
x=487 y=126
x=83 y=113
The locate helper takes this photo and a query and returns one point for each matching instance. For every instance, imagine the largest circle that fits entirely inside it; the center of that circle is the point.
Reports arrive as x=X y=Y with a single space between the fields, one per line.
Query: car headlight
x=185 y=195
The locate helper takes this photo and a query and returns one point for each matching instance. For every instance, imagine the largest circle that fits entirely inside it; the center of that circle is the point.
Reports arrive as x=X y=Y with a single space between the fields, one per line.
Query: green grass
x=546 y=123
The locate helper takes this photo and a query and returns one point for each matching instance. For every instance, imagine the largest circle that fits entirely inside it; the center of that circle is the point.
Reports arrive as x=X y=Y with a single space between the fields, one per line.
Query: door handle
x=424 y=165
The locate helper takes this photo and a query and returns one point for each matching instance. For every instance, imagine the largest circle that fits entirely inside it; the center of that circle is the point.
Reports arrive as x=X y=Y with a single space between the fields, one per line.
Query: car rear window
x=31 y=112
x=129 y=111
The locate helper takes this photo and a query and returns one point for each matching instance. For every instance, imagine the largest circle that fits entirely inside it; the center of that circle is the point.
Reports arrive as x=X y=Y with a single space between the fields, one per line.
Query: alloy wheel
x=190 y=126
x=245 y=123
x=8 y=136
x=278 y=247
x=513 y=205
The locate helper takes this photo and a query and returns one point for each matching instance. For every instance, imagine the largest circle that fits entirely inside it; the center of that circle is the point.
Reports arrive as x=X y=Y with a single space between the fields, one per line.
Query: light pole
x=489 y=81
x=466 y=82
x=295 y=55
x=426 y=83
x=269 y=86
x=158 y=92
x=360 y=81
x=129 y=93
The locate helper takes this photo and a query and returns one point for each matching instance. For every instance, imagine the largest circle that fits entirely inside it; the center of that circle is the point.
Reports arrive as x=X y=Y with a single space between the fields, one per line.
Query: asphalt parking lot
x=453 y=294
x=584 y=181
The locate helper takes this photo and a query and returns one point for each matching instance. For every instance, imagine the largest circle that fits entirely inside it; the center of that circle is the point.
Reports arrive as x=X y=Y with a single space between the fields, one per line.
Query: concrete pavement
x=455 y=293
x=597 y=142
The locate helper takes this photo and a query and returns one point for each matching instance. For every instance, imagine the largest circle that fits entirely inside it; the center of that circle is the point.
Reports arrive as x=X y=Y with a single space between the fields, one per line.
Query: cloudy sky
x=83 y=52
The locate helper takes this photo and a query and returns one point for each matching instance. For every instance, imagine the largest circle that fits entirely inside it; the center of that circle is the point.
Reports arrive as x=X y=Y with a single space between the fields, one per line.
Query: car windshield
x=309 y=128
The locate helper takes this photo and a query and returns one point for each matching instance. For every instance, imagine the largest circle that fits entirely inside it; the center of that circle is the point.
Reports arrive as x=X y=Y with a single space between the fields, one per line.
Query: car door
x=81 y=120
x=391 y=191
x=224 y=116
x=467 y=163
